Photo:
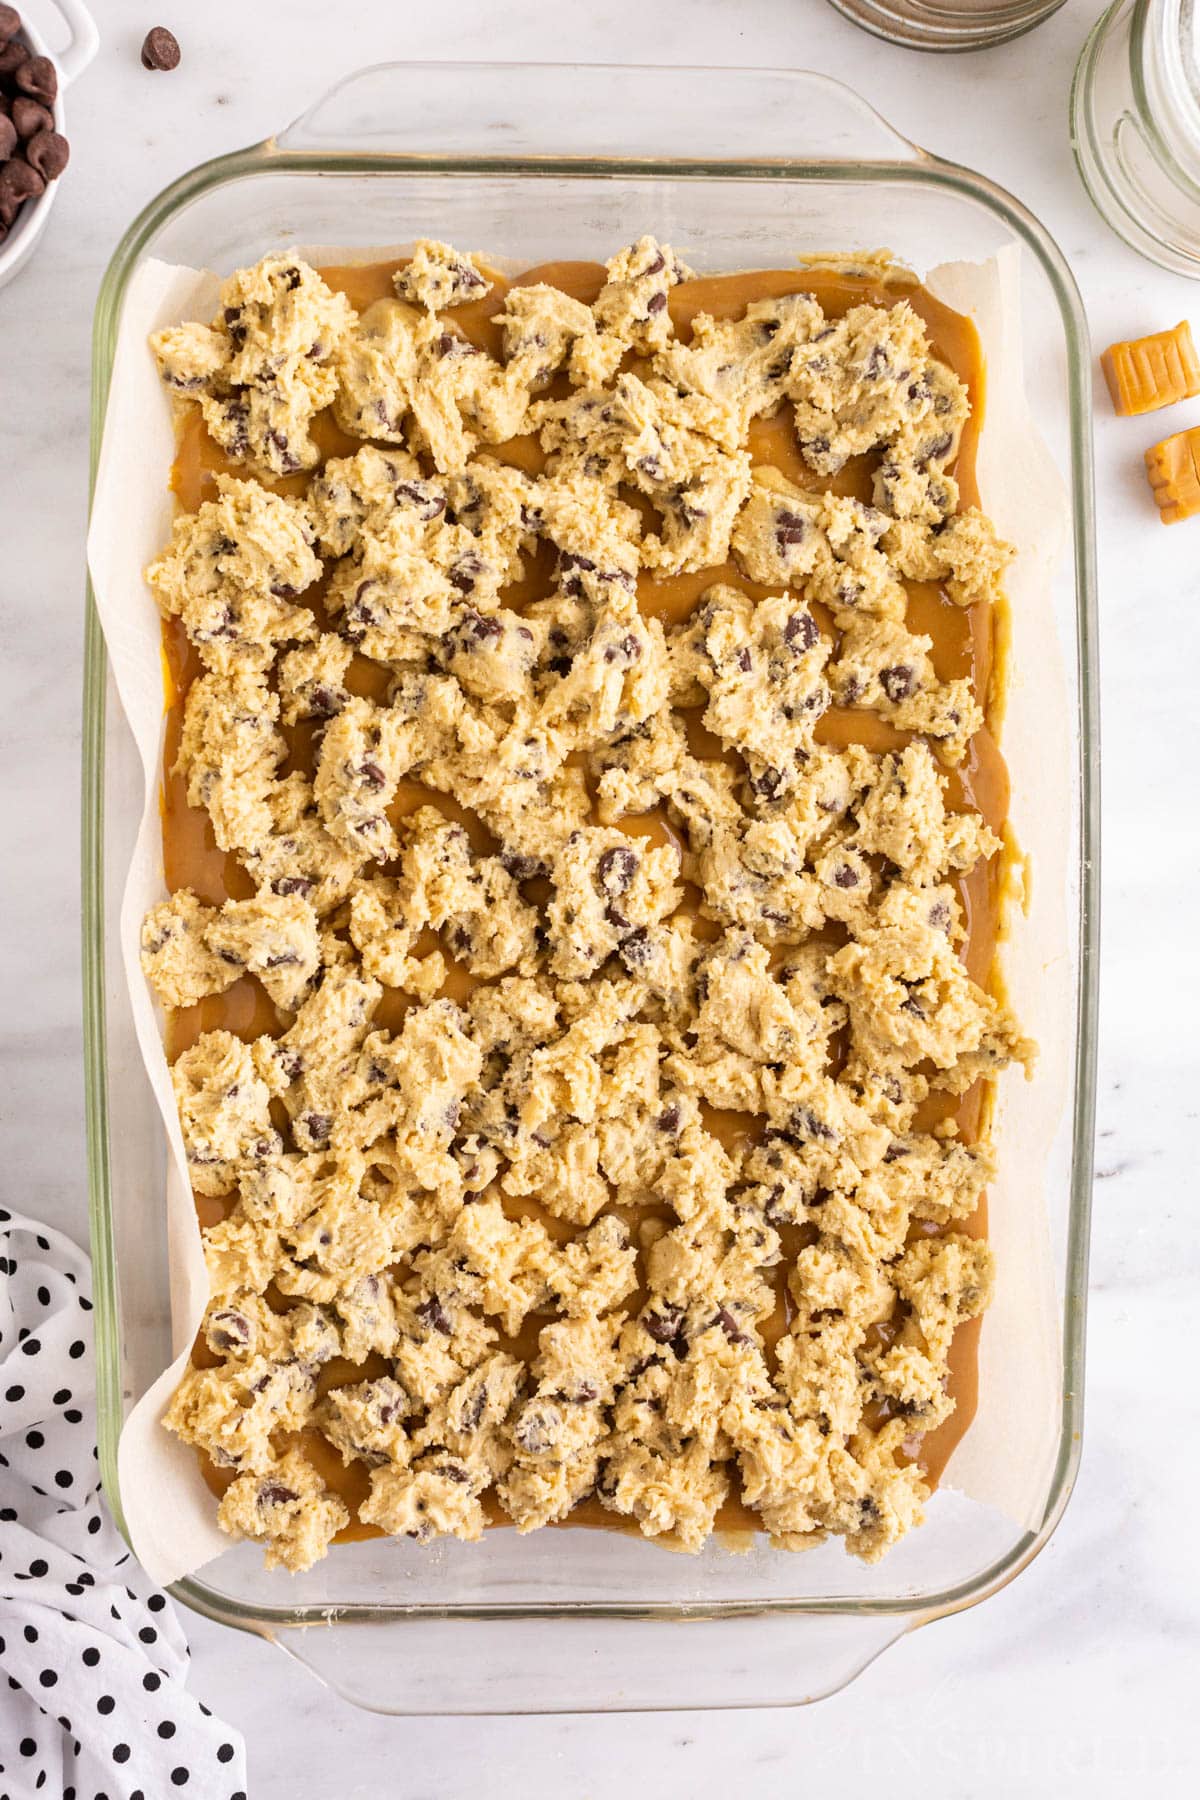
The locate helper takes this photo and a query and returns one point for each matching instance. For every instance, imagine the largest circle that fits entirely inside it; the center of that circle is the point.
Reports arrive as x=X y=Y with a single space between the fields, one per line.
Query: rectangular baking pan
x=740 y=169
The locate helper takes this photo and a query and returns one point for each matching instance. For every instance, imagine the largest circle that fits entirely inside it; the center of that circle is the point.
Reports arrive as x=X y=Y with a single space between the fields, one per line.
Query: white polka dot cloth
x=92 y=1658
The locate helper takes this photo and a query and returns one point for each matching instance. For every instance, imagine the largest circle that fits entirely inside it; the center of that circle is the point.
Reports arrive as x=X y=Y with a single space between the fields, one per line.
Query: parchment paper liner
x=1005 y=1458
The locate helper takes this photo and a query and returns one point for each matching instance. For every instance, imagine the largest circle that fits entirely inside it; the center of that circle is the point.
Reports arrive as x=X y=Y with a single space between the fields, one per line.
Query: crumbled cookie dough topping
x=607 y=883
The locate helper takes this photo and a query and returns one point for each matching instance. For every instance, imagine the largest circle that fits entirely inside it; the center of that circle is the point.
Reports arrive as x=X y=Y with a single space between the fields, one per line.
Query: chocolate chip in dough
x=30 y=116
x=39 y=79
x=898 y=683
x=10 y=23
x=160 y=49
x=615 y=871
x=48 y=153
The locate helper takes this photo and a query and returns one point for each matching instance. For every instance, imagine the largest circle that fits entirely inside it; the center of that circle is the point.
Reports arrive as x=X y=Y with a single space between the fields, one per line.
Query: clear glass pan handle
x=552 y=1665
x=549 y=110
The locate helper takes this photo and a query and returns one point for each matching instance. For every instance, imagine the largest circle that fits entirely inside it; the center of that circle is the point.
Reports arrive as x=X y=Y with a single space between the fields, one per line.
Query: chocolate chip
x=293 y=884
x=663 y=1324
x=49 y=153
x=801 y=632
x=790 y=528
x=30 y=116
x=669 y=1120
x=317 y=1125
x=745 y=661
x=897 y=683
x=428 y=503
x=806 y=1126
x=730 y=1327
x=636 y=951
x=12 y=56
x=229 y=1330
x=844 y=876
x=373 y=776
x=936 y=448
x=472 y=1410
x=38 y=78
x=433 y=1314
x=273 y=1493
x=323 y=703
x=10 y=23
x=20 y=181
x=615 y=870
x=160 y=49
x=8 y=137
x=482 y=629
x=520 y=866
x=656 y=303
x=767 y=783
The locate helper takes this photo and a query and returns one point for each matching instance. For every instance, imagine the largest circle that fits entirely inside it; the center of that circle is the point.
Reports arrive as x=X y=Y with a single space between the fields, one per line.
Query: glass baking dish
x=534 y=162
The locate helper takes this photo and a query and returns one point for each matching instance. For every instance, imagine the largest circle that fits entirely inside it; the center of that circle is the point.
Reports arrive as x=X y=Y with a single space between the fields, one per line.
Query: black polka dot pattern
x=93 y=1704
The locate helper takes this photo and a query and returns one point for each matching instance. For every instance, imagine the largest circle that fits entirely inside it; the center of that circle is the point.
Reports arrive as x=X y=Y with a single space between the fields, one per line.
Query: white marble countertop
x=1079 y=1678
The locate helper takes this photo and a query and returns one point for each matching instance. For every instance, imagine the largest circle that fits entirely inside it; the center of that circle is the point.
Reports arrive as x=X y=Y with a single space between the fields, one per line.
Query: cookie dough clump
x=613 y=948
x=263 y=368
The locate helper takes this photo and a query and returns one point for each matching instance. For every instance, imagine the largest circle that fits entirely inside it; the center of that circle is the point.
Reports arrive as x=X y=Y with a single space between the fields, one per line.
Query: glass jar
x=1135 y=127
x=947 y=24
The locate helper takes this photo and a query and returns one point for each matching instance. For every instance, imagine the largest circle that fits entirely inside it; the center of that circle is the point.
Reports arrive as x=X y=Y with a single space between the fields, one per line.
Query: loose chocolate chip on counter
x=8 y=137
x=30 y=116
x=10 y=23
x=160 y=49
x=48 y=153
x=39 y=79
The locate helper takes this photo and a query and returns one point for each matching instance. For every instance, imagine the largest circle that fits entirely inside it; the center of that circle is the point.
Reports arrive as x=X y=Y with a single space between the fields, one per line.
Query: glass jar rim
x=1166 y=91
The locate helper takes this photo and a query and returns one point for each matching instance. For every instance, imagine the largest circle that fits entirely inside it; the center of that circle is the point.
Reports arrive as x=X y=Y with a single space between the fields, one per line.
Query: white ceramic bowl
x=30 y=222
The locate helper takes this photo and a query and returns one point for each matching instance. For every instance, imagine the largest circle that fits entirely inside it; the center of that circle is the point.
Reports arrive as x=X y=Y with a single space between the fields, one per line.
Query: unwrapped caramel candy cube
x=1146 y=373
x=1174 y=470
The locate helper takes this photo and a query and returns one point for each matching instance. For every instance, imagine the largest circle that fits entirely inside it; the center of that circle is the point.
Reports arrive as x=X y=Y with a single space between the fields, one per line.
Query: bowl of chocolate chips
x=34 y=150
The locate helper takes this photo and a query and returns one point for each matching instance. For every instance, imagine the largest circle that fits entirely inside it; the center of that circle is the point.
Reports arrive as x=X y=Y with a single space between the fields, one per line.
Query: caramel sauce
x=963 y=644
